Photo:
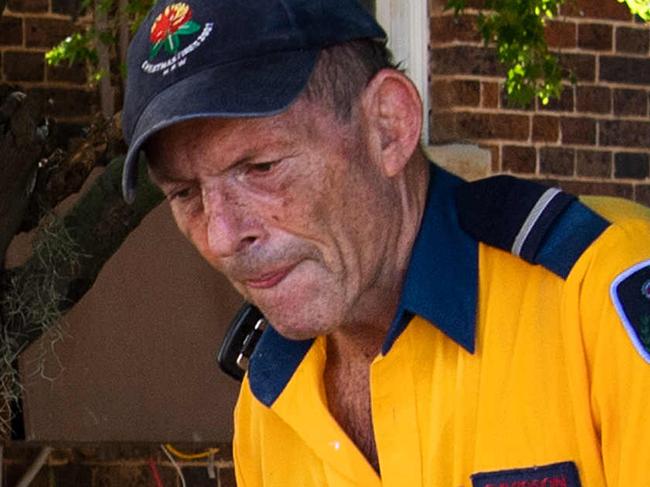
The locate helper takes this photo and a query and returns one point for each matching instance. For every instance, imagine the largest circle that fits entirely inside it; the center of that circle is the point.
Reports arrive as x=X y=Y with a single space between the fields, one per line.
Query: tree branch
x=21 y=146
x=68 y=256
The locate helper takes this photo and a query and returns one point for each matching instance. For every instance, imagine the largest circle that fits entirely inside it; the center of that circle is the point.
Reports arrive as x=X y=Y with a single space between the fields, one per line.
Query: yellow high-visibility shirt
x=499 y=370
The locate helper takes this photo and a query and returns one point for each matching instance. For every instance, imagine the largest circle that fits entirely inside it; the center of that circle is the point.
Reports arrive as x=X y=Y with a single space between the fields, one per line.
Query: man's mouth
x=269 y=279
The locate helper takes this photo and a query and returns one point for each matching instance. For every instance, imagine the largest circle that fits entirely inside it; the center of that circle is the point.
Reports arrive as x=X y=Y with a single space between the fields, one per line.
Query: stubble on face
x=321 y=225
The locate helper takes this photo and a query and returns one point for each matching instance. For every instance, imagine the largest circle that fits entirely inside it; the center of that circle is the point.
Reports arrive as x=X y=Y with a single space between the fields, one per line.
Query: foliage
x=75 y=48
x=639 y=7
x=82 y=47
x=516 y=28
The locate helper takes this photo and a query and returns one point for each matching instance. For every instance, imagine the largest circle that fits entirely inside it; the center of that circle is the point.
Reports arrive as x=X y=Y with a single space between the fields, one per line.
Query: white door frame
x=407 y=24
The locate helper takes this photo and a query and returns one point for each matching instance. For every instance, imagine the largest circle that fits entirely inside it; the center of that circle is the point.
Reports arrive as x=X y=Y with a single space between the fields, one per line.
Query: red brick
x=11 y=31
x=465 y=60
x=450 y=93
x=580 y=66
x=623 y=133
x=557 y=161
x=597 y=188
x=560 y=34
x=643 y=194
x=46 y=32
x=631 y=165
x=519 y=159
x=545 y=128
x=625 y=69
x=73 y=8
x=630 y=102
x=631 y=40
x=595 y=99
x=564 y=104
x=490 y=95
x=595 y=36
x=594 y=164
x=23 y=66
x=578 y=130
x=481 y=126
x=71 y=74
x=442 y=128
x=449 y=28
x=31 y=6
x=597 y=9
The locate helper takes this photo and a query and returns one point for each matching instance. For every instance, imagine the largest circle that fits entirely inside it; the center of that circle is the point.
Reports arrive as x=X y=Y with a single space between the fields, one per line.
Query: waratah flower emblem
x=172 y=23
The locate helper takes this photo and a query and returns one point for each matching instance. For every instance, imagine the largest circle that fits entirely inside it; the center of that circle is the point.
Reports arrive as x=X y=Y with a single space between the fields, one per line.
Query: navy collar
x=441 y=285
x=441 y=282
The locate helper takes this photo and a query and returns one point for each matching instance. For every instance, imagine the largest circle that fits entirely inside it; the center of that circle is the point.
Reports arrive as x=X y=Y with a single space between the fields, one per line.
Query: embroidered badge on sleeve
x=630 y=294
x=563 y=474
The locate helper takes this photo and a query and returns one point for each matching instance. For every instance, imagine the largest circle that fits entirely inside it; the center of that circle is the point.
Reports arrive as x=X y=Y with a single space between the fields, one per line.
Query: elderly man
x=425 y=331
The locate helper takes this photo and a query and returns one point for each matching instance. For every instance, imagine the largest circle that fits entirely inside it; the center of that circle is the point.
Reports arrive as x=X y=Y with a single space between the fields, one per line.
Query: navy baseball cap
x=227 y=58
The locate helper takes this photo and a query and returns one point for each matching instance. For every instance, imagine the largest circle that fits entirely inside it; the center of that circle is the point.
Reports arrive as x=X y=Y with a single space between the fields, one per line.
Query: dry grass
x=30 y=306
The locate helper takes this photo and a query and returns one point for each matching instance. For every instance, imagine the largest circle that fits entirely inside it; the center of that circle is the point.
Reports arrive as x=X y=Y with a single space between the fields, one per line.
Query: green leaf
x=516 y=28
x=189 y=27
x=456 y=5
x=155 y=49
x=639 y=7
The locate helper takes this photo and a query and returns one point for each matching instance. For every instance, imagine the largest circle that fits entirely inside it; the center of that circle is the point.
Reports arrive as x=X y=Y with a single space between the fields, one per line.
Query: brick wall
x=594 y=140
x=28 y=28
x=114 y=465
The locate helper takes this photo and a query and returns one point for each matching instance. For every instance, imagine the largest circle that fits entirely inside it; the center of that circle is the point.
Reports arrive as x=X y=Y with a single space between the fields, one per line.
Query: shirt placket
x=394 y=417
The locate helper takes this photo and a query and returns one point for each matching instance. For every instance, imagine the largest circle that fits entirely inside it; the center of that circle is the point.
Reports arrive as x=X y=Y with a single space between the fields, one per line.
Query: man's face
x=293 y=209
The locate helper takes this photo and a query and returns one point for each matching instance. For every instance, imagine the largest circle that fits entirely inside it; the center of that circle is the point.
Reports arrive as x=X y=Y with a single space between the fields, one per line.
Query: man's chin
x=296 y=328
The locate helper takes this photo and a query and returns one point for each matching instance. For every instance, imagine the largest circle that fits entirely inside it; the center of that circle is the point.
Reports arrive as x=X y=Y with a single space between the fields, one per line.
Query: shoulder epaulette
x=541 y=225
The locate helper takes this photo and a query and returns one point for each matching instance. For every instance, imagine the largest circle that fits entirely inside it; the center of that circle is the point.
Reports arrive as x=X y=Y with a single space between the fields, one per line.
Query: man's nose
x=231 y=224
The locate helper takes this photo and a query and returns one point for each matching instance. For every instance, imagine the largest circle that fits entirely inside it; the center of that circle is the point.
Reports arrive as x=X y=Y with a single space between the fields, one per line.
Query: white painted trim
x=407 y=24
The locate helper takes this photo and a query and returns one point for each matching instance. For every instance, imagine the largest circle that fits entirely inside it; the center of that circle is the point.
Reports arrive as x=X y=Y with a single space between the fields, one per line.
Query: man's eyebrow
x=160 y=174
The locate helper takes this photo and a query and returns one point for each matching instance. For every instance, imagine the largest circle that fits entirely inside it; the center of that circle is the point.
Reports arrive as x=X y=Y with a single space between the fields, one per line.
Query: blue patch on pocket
x=563 y=474
x=630 y=294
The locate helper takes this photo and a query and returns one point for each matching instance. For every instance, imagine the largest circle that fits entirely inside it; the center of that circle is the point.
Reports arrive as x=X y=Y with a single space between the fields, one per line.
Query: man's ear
x=393 y=109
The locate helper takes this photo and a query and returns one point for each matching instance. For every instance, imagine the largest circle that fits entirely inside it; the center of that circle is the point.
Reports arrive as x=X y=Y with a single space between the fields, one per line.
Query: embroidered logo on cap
x=173 y=22
x=630 y=294
x=563 y=474
x=167 y=30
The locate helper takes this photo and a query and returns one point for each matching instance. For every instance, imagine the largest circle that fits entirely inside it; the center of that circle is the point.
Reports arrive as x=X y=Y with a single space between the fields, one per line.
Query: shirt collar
x=441 y=283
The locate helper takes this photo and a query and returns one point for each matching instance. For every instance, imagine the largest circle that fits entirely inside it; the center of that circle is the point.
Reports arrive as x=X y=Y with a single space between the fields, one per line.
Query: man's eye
x=262 y=167
x=180 y=194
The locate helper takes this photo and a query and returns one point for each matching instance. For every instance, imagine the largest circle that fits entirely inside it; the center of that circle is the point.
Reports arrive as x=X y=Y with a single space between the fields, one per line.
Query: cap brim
x=260 y=86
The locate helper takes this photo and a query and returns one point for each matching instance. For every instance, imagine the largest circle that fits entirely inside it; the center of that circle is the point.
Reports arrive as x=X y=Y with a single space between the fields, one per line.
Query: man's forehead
x=219 y=128
x=232 y=140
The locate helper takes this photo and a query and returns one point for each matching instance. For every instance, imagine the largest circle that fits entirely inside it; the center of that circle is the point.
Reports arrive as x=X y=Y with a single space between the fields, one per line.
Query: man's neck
x=352 y=347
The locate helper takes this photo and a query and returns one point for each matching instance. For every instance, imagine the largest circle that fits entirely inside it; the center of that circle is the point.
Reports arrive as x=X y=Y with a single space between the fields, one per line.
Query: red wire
x=155 y=473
